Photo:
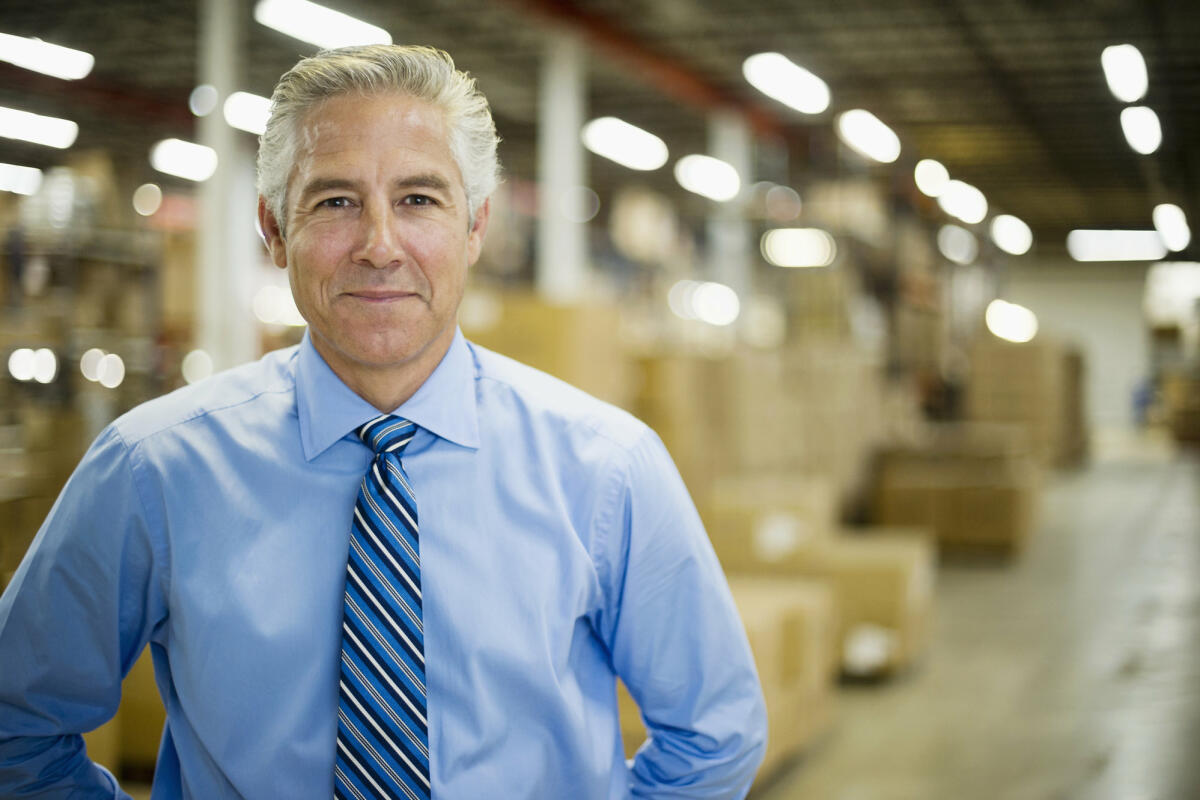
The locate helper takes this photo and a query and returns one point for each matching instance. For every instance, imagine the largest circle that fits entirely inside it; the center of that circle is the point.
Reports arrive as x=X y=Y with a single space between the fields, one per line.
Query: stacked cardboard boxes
x=579 y=343
x=974 y=485
x=1038 y=384
x=785 y=527
x=816 y=409
x=1181 y=402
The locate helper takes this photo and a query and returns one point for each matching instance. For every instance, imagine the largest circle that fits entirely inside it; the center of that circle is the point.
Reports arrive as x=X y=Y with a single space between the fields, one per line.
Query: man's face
x=378 y=239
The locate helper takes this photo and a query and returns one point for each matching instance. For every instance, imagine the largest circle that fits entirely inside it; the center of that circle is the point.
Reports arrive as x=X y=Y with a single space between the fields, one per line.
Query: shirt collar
x=444 y=405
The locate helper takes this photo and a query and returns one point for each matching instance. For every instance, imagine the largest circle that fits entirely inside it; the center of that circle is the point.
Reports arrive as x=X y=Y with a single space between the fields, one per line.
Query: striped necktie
x=382 y=732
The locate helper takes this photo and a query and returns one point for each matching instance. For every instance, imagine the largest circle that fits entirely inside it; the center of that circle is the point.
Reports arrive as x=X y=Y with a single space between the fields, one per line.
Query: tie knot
x=387 y=434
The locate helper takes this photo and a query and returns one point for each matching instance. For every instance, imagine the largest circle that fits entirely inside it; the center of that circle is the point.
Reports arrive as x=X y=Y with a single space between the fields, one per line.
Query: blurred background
x=908 y=289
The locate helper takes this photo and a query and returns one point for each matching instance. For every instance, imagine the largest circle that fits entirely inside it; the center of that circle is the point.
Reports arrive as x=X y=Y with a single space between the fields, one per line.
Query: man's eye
x=419 y=200
x=334 y=202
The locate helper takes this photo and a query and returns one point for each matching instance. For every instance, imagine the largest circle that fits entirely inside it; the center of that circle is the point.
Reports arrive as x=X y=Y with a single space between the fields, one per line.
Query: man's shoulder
x=237 y=388
x=554 y=401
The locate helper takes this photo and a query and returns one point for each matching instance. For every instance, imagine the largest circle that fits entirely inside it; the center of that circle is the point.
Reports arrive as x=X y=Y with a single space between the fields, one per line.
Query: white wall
x=1099 y=307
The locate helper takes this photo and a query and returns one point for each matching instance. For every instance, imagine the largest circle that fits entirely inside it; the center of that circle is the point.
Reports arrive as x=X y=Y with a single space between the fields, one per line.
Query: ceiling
x=1008 y=94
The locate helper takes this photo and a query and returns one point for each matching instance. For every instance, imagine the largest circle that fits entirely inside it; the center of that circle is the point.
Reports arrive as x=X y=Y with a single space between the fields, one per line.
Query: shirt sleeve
x=79 y=610
x=677 y=641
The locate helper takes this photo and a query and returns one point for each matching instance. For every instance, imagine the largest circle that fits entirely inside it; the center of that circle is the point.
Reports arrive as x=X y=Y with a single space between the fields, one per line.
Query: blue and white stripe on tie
x=383 y=732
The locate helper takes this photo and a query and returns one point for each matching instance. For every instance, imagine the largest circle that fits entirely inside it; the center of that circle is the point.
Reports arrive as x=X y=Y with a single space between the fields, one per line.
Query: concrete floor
x=1073 y=673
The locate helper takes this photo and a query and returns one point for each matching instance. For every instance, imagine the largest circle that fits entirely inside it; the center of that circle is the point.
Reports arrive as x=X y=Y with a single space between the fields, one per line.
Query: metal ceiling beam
x=1012 y=93
x=96 y=94
x=1187 y=174
x=667 y=74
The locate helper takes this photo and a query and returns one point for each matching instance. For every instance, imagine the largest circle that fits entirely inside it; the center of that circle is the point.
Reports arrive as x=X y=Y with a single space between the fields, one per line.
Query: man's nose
x=378 y=243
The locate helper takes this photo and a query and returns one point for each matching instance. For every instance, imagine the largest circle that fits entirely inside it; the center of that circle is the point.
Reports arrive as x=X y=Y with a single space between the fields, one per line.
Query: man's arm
x=678 y=644
x=79 y=610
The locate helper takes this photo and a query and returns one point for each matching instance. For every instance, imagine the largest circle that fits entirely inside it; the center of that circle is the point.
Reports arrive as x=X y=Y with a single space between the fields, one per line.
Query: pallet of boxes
x=974 y=485
x=815 y=602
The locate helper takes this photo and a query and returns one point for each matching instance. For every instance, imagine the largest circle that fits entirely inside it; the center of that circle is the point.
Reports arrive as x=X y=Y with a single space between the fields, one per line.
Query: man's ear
x=475 y=237
x=272 y=233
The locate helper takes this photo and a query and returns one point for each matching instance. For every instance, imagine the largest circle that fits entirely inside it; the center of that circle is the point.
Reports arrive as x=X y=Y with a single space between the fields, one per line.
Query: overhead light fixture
x=1125 y=71
x=864 y=133
x=189 y=160
x=20 y=180
x=49 y=59
x=1142 y=129
x=709 y=177
x=777 y=76
x=707 y=301
x=626 y=144
x=203 y=100
x=931 y=177
x=29 y=127
x=317 y=24
x=957 y=244
x=1100 y=245
x=1011 y=322
x=1171 y=224
x=798 y=247
x=147 y=199
x=247 y=112
x=1011 y=234
x=964 y=201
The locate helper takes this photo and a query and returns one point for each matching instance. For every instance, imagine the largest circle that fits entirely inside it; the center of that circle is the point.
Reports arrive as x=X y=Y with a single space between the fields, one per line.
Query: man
x=386 y=562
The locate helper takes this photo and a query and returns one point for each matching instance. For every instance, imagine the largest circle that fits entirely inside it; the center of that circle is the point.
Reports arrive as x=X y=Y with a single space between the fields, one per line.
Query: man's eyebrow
x=318 y=185
x=425 y=180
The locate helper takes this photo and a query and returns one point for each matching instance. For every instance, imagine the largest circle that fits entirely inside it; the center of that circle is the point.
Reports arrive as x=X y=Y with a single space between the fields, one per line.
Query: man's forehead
x=356 y=107
x=337 y=122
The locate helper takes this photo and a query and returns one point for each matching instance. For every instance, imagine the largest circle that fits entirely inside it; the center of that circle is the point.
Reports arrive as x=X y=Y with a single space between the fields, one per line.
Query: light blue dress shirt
x=559 y=549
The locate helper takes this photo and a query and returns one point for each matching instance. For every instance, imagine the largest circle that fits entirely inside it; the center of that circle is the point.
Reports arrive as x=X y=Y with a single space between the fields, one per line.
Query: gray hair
x=422 y=72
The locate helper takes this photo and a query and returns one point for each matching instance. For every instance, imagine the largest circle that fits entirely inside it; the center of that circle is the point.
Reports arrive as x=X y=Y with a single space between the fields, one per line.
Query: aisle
x=1074 y=673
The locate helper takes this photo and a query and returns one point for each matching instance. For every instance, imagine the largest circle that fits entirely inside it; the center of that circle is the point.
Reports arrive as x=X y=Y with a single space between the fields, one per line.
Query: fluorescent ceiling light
x=20 y=180
x=1142 y=130
x=931 y=177
x=317 y=25
x=1091 y=245
x=1125 y=71
x=798 y=247
x=1010 y=321
x=1171 y=224
x=48 y=131
x=708 y=176
x=777 y=76
x=957 y=244
x=184 y=159
x=964 y=201
x=203 y=100
x=247 y=112
x=867 y=136
x=48 y=59
x=626 y=144
x=714 y=303
x=1011 y=235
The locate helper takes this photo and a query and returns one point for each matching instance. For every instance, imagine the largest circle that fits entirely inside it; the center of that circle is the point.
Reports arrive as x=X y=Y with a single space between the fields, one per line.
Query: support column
x=562 y=258
x=227 y=248
x=729 y=235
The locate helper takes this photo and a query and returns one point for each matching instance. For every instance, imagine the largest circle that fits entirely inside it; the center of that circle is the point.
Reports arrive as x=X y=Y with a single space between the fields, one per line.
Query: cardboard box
x=767 y=522
x=1038 y=384
x=795 y=671
x=975 y=486
x=884 y=584
x=578 y=343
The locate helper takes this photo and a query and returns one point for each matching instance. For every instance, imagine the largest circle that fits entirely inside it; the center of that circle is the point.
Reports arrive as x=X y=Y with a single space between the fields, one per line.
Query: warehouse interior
x=907 y=289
